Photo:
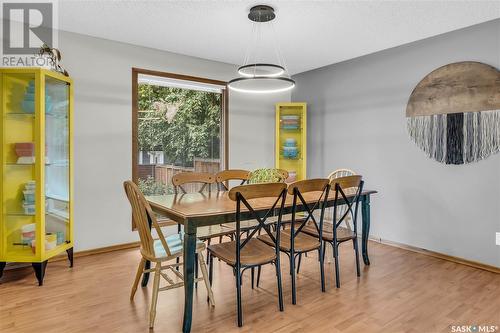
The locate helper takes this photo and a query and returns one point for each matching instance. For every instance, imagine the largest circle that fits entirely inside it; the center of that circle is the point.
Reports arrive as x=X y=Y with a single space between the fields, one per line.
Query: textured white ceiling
x=311 y=34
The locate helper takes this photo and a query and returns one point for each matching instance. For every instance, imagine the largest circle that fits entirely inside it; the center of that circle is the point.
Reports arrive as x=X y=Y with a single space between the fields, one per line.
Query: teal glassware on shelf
x=28 y=104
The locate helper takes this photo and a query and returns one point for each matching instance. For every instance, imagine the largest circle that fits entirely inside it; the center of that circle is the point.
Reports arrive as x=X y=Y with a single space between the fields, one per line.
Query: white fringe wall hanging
x=453 y=114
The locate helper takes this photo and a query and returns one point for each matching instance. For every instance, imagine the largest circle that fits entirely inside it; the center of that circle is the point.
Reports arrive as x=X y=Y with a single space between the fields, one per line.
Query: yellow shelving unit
x=291 y=139
x=36 y=171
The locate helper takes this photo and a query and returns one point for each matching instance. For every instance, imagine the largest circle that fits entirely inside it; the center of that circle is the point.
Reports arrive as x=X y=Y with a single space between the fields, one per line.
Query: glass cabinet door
x=57 y=167
x=291 y=141
x=18 y=227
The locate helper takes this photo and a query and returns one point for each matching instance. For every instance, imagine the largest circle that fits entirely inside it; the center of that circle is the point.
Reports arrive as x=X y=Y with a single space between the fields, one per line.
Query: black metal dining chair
x=346 y=190
x=293 y=241
x=242 y=254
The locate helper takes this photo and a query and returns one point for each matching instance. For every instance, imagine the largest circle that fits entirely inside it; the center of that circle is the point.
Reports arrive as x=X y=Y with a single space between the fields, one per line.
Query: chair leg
x=138 y=275
x=292 y=275
x=258 y=276
x=337 y=268
x=324 y=251
x=300 y=260
x=154 y=299
x=196 y=256
x=322 y=266
x=210 y=260
x=238 y=297
x=280 y=289
x=253 y=276
x=355 y=241
x=204 y=273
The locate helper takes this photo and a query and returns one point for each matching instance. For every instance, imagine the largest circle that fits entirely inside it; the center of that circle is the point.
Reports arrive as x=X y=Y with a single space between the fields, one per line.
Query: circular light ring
x=261 y=70
x=261 y=84
x=261 y=13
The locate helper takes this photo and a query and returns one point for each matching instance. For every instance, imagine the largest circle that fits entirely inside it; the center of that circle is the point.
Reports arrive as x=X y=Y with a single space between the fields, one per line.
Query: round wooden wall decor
x=453 y=114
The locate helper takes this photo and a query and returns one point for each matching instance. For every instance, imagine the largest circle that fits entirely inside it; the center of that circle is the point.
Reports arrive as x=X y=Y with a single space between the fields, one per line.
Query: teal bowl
x=28 y=106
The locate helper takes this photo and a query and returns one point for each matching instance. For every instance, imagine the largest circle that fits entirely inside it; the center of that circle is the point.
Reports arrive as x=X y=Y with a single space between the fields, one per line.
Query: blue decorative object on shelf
x=290 y=142
x=290 y=152
x=28 y=104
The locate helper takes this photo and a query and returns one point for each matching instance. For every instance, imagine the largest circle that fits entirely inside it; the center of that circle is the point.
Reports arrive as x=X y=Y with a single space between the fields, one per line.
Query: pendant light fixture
x=259 y=77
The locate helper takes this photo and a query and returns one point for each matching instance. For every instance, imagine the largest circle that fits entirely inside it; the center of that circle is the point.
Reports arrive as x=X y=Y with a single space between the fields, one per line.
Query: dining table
x=194 y=210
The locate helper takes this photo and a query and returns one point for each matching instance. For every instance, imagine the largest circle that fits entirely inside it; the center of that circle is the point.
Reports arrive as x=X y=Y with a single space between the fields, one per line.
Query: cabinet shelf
x=59 y=214
x=290 y=159
x=20 y=164
x=24 y=164
x=17 y=114
x=56 y=197
x=32 y=115
x=21 y=214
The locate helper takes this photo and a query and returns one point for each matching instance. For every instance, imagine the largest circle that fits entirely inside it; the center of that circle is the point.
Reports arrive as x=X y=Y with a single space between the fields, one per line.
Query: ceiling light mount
x=261 y=13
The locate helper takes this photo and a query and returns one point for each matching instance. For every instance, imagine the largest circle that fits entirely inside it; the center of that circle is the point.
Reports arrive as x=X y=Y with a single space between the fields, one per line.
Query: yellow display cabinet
x=291 y=139
x=36 y=154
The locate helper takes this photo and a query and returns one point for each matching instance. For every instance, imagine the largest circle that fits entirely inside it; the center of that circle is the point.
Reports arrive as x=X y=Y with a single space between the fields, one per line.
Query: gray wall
x=357 y=120
x=101 y=70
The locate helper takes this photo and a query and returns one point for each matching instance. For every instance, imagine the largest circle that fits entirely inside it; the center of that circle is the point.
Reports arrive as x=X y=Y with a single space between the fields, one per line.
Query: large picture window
x=179 y=125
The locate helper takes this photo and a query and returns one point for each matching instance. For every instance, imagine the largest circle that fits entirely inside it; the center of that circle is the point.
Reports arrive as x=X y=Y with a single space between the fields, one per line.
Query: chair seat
x=302 y=241
x=253 y=253
x=343 y=233
x=244 y=225
x=212 y=231
x=287 y=219
x=175 y=245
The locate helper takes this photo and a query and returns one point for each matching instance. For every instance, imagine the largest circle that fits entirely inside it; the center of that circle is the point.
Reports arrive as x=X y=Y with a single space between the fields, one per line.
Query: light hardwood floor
x=401 y=291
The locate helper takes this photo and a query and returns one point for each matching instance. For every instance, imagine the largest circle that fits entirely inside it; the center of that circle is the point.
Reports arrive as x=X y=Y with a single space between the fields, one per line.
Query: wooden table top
x=181 y=207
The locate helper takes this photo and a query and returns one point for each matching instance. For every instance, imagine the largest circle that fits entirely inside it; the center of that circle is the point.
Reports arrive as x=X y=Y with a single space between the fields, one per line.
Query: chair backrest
x=245 y=196
x=321 y=188
x=340 y=173
x=183 y=178
x=267 y=175
x=144 y=219
x=346 y=190
x=232 y=174
x=342 y=208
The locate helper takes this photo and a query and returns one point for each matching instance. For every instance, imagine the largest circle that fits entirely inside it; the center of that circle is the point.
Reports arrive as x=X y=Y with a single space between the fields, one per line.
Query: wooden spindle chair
x=242 y=254
x=342 y=208
x=294 y=242
x=222 y=178
x=181 y=180
x=159 y=251
x=347 y=191
x=329 y=212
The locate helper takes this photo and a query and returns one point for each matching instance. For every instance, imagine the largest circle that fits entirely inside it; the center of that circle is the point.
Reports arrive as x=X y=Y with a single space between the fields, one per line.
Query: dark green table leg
x=189 y=263
x=365 y=214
